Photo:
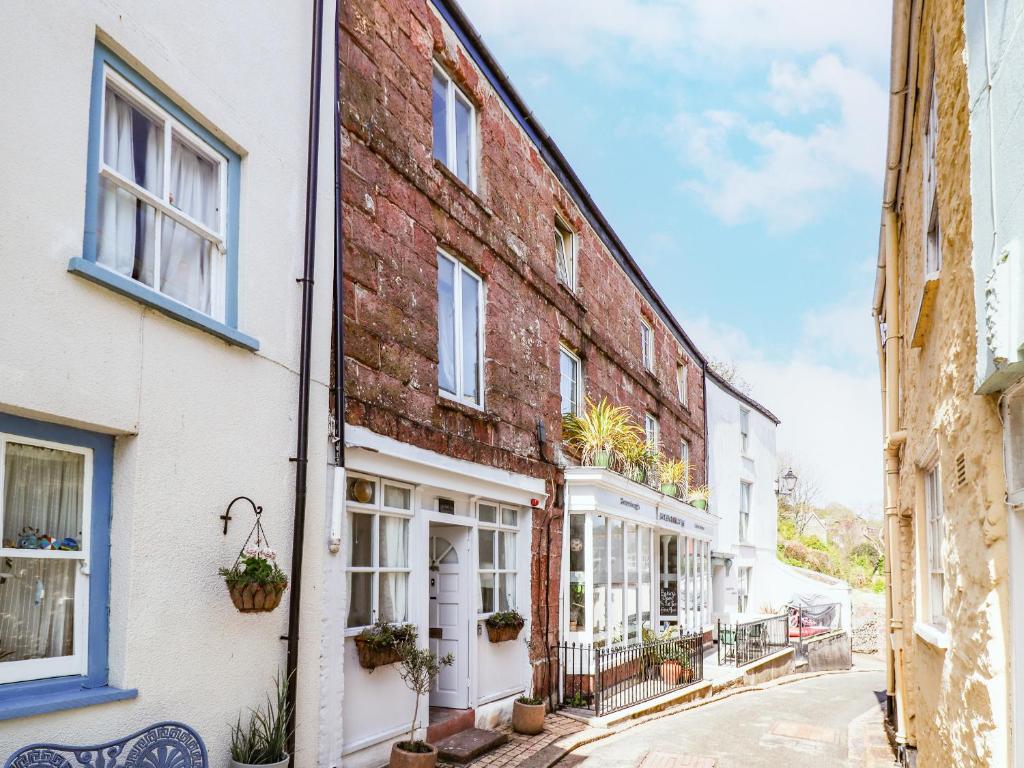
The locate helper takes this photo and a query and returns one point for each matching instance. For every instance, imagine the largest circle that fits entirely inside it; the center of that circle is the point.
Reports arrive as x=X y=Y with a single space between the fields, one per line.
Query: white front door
x=449 y=619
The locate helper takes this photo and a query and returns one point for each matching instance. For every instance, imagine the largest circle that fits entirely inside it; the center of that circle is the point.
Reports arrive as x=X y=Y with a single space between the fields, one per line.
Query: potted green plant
x=676 y=665
x=699 y=495
x=255 y=582
x=504 y=625
x=672 y=474
x=637 y=458
x=528 y=715
x=382 y=644
x=419 y=669
x=599 y=432
x=263 y=739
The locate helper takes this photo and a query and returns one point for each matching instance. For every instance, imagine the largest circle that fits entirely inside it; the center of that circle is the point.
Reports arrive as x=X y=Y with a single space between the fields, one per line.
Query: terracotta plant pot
x=371 y=657
x=281 y=764
x=699 y=503
x=401 y=758
x=671 y=671
x=528 y=718
x=687 y=676
x=502 y=634
x=670 y=489
x=256 y=598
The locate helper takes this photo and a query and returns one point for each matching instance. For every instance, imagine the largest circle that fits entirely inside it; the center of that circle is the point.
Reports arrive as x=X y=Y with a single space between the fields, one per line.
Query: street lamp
x=787 y=483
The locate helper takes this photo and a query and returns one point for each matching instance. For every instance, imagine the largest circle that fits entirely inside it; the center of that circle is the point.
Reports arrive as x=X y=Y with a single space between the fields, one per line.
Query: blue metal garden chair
x=164 y=745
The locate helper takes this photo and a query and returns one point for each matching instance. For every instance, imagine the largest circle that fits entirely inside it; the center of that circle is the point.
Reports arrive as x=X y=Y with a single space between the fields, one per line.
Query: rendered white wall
x=197 y=421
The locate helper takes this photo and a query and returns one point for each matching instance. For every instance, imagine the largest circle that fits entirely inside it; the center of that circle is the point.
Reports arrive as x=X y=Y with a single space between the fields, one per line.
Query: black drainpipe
x=305 y=345
x=339 y=258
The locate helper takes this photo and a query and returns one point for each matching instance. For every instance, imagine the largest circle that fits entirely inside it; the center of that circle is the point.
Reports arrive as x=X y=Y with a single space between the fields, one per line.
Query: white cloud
x=830 y=414
x=756 y=170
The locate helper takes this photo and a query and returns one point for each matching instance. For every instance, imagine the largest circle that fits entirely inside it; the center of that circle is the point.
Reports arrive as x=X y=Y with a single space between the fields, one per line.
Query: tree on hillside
x=800 y=505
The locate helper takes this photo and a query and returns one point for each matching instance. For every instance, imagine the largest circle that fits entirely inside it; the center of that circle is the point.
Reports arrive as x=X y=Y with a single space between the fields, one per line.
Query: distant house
x=816 y=527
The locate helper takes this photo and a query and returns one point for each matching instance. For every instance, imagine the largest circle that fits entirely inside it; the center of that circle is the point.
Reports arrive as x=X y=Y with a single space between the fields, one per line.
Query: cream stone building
x=947 y=304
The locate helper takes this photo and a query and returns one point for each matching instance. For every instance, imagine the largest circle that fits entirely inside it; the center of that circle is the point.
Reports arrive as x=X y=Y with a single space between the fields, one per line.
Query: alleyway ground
x=832 y=721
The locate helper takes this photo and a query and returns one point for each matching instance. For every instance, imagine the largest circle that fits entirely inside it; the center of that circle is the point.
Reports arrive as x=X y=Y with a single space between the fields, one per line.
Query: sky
x=737 y=147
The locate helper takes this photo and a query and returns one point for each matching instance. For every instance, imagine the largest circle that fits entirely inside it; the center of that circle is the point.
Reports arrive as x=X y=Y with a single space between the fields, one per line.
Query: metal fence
x=606 y=680
x=750 y=641
x=807 y=621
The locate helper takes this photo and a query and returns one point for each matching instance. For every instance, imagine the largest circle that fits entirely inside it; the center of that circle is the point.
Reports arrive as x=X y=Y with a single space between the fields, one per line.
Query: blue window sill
x=55 y=701
x=168 y=306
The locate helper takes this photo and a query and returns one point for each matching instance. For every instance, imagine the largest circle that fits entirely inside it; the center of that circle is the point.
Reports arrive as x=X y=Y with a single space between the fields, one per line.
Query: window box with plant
x=528 y=715
x=504 y=625
x=383 y=644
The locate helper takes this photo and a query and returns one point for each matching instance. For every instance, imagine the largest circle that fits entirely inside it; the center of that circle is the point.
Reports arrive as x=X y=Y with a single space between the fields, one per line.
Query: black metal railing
x=808 y=621
x=606 y=680
x=749 y=641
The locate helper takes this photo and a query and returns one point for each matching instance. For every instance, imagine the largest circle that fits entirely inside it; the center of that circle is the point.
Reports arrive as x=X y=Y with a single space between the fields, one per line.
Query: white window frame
x=746 y=494
x=565 y=236
x=647 y=344
x=459 y=271
x=513 y=530
x=745 y=431
x=577 y=383
x=682 y=382
x=684 y=456
x=743 y=590
x=161 y=203
x=77 y=663
x=652 y=429
x=377 y=510
x=453 y=92
x=935 y=537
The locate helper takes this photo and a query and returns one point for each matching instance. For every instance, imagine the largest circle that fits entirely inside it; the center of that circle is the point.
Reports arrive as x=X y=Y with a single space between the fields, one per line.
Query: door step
x=445 y=722
x=466 y=746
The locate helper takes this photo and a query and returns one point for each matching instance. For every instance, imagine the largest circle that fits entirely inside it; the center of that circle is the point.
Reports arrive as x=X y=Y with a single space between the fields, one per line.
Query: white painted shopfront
x=633 y=559
x=438 y=543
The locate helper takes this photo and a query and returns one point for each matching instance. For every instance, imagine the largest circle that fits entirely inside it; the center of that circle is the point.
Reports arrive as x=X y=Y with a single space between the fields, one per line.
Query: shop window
x=496 y=547
x=577 y=572
x=600 y=585
x=378 y=551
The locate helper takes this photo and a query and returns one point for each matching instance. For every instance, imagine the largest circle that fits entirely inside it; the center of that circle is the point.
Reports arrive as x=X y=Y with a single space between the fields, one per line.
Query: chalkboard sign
x=669 y=601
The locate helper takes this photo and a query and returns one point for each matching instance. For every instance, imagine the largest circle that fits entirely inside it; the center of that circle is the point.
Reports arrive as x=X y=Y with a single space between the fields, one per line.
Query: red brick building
x=484 y=292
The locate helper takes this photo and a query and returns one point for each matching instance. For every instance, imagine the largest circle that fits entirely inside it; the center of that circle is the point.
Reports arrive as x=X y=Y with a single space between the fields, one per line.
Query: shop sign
x=631 y=504
x=665 y=517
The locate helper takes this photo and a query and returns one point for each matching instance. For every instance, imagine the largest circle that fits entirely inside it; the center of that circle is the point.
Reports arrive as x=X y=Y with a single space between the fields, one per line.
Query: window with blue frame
x=55 y=486
x=161 y=203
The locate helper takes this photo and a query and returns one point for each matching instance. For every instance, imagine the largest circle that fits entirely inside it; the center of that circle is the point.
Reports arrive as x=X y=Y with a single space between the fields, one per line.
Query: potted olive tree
x=263 y=739
x=419 y=669
x=528 y=715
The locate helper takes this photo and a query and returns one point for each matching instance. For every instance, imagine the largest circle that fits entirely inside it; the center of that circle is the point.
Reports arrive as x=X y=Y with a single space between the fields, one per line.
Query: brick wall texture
x=958 y=698
x=400 y=206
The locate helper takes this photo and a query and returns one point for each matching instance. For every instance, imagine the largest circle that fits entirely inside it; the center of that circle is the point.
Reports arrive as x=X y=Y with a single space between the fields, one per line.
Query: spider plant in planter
x=262 y=740
x=699 y=495
x=637 y=458
x=598 y=434
x=382 y=644
x=419 y=669
x=504 y=625
x=672 y=474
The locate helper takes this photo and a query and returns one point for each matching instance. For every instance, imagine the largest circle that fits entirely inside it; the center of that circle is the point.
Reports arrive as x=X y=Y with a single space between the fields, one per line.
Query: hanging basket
x=256 y=598
x=503 y=633
x=372 y=656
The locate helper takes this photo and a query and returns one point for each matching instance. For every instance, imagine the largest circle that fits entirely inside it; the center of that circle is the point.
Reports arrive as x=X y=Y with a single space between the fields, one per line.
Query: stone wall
x=957 y=696
x=400 y=206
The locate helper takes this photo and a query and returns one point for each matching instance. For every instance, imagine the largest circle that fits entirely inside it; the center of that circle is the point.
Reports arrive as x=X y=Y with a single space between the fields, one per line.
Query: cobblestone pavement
x=523 y=751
